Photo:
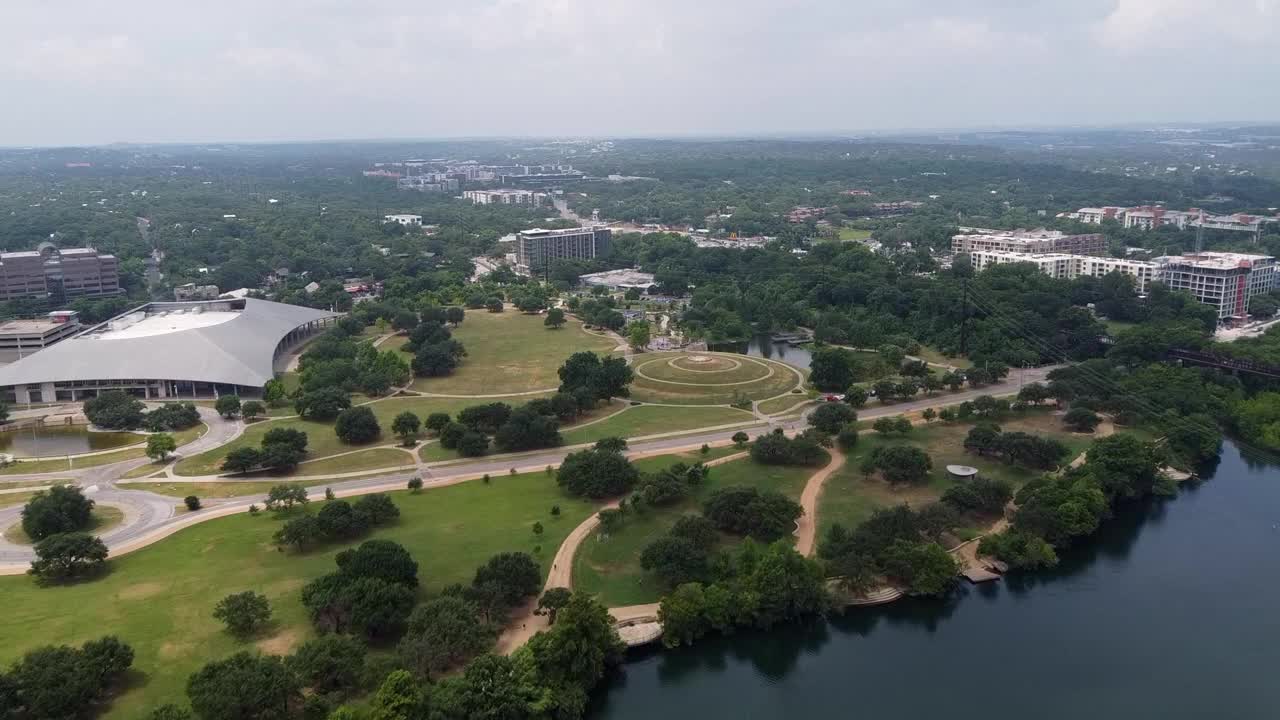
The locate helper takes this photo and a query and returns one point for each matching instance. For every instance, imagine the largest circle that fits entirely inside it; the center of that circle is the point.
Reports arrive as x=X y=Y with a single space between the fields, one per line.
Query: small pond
x=762 y=346
x=38 y=441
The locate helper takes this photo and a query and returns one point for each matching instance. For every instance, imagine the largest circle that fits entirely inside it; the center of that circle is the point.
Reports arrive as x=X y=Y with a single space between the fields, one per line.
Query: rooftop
x=222 y=341
x=619 y=278
x=1215 y=260
x=29 y=327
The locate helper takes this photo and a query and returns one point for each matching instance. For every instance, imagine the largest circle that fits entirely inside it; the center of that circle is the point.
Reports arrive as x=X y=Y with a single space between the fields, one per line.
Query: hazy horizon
x=145 y=71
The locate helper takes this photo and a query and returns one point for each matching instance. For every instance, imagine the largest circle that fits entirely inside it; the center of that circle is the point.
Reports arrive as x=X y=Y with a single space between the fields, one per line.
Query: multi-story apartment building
x=1066 y=267
x=1150 y=217
x=1225 y=281
x=536 y=249
x=1032 y=241
x=505 y=196
x=58 y=275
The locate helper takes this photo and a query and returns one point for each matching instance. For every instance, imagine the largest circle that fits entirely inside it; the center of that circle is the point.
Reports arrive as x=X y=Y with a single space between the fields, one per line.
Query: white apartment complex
x=1066 y=267
x=1150 y=217
x=1225 y=281
x=505 y=196
x=406 y=220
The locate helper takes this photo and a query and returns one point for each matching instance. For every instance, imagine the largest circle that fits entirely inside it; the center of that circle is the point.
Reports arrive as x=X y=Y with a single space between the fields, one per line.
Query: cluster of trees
x=758 y=586
x=370 y=595
x=282 y=449
x=435 y=352
x=895 y=544
x=341 y=359
x=762 y=514
x=118 y=410
x=56 y=519
x=776 y=448
x=587 y=376
x=666 y=487
x=898 y=464
x=63 y=681
x=534 y=425
x=337 y=520
x=598 y=312
x=598 y=472
x=1015 y=448
x=1055 y=510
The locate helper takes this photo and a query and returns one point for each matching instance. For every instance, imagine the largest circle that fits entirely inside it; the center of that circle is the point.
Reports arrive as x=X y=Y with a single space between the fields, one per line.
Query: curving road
x=150 y=517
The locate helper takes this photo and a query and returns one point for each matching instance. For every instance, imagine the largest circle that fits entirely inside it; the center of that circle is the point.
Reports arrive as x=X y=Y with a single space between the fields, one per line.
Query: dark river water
x=1171 y=611
x=46 y=442
x=762 y=346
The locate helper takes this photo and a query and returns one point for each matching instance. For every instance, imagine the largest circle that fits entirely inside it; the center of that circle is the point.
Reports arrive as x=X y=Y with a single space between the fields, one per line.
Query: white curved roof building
x=165 y=350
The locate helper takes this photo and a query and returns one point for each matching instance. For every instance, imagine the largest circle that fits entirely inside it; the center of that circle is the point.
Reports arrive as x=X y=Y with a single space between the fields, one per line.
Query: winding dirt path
x=807 y=525
x=523 y=623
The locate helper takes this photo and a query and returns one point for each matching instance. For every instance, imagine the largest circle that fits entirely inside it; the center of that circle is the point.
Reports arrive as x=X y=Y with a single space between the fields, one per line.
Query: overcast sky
x=93 y=71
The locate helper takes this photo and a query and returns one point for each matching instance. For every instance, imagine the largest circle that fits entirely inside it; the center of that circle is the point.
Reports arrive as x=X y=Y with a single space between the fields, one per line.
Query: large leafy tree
x=245 y=686
x=596 y=474
x=60 y=509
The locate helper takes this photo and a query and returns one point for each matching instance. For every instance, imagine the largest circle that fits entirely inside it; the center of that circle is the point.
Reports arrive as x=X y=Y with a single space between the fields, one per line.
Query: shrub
x=192 y=502
x=67 y=555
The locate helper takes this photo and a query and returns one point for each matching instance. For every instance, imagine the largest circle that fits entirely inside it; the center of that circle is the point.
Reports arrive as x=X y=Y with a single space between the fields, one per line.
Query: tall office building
x=1034 y=241
x=536 y=249
x=58 y=275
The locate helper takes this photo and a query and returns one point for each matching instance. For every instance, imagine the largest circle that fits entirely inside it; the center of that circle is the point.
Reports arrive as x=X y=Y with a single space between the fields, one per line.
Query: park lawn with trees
x=706 y=388
x=783 y=404
x=373 y=459
x=645 y=420
x=161 y=601
x=848 y=497
x=322 y=441
x=211 y=490
x=102 y=519
x=610 y=567
x=510 y=352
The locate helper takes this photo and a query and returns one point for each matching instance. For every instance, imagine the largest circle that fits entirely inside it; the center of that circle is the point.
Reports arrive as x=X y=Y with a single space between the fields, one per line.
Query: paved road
x=153 y=518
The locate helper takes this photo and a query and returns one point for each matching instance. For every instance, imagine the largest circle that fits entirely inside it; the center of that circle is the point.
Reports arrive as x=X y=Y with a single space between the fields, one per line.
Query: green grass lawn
x=847 y=234
x=102 y=519
x=707 y=388
x=849 y=498
x=11 y=499
x=510 y=352
x=229 y=489
x=374 y=459
x=783 y=404
x=321 y=439
x=933 y=355
x=610 y=566
x=160 y=599
x=645 y=420
x=1115 y=326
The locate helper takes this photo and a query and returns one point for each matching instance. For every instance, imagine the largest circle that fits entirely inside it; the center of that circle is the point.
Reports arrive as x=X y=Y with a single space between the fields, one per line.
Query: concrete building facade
x=505 y=196
x=538 y=248
x=20 y=338
x=406 y=220
x=1034 y=241
x=1225 y=281
x=58 y=275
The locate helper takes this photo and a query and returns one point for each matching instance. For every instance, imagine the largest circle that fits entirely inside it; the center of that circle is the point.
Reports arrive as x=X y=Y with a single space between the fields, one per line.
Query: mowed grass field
x=645 y=420
x=659 y=381
x=609 y=566
x=160 y=599
x=321 y=439
x=848 y=497
x=510 y=352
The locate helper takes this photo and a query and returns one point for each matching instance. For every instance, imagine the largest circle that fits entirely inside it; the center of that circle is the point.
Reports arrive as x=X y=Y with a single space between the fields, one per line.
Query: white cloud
x=246 y=69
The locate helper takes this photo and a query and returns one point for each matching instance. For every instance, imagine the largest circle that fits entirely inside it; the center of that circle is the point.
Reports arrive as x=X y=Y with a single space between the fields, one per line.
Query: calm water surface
x=46 y=442
x=1172 y=611
x=762 y=346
